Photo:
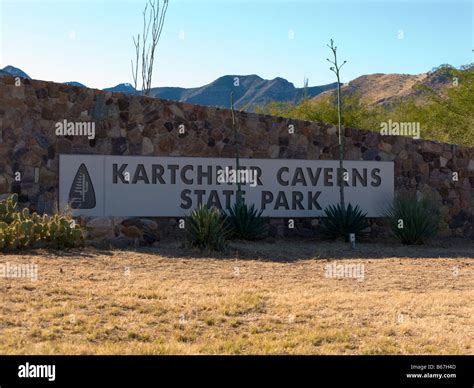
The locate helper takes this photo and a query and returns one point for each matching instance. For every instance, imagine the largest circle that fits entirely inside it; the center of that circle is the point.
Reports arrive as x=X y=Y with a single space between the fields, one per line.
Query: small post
x=37 y=174
x=352 y=239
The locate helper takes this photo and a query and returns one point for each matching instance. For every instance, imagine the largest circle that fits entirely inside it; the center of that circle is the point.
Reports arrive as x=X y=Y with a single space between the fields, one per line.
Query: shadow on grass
x=77 y=253
x=283 y=250
x=290 y=250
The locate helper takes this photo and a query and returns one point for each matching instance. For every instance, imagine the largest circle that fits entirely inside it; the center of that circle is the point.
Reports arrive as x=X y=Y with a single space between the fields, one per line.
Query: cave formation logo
x=82 y=194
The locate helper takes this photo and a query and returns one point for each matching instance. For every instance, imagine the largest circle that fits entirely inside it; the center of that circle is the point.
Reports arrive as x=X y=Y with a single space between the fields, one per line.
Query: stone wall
x=134 y=125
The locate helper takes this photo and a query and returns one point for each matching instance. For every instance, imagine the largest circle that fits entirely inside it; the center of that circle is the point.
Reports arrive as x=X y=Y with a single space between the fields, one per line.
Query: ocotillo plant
x=153 y=21
x=335 y=68
x=305 y=95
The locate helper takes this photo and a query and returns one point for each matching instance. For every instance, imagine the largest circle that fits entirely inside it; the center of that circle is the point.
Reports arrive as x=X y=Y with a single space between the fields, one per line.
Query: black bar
x=307 y=371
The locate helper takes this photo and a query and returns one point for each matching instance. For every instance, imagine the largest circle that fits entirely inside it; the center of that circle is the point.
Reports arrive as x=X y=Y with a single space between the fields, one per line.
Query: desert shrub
x=357 y=114
x=341 y=221
x=22 y=229
x=246 y=222
x=436 y=110
x=207 y=228
x=412 y=220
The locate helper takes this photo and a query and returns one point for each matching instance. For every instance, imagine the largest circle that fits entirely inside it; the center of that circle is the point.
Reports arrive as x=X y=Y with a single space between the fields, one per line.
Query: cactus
x=25 y=213
x=22 y=229
x=3 y=234
x=8 y=209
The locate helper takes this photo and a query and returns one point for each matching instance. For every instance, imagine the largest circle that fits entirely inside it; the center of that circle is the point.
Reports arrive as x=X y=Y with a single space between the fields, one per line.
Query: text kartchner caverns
x=172 y=186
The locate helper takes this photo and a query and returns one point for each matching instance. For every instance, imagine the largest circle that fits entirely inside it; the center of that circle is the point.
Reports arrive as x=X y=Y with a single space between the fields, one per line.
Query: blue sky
x=91 y=41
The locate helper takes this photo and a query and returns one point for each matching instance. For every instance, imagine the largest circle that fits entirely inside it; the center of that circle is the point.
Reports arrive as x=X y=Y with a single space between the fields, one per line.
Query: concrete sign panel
x=154 y=186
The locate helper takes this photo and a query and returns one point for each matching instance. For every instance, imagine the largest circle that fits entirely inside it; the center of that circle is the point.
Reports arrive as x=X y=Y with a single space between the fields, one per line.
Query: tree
x=335 y=68
x=145 y=45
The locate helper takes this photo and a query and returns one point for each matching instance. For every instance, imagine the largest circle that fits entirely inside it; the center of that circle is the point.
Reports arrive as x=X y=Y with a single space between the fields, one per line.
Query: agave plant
x=342 y=221
x=246 y=222
x=207 y=228
x=412 y=221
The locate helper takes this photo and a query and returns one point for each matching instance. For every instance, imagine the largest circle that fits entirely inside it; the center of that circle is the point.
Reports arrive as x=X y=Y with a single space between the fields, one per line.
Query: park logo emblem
x=82 y=194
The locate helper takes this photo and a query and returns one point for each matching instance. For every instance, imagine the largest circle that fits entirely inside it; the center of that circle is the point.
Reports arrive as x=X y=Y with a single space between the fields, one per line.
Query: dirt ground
x=290 y=297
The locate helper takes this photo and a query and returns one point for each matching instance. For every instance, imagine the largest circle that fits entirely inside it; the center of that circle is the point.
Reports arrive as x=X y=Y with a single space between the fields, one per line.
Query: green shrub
x=340 y=222
x=412 y=221
x=436 y=109
x=21 y=229
x=246 y=222
x=207 y=229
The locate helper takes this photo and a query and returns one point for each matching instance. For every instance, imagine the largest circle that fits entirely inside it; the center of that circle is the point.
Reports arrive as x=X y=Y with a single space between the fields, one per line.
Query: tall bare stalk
x=335 y=68
x=145 y=44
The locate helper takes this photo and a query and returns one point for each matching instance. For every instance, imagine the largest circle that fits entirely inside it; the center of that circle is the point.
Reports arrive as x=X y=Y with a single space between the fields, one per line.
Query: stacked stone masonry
x=136 y=125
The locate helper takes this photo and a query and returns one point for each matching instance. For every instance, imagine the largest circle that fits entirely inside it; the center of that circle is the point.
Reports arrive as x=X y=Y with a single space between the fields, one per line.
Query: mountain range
x=251 y=90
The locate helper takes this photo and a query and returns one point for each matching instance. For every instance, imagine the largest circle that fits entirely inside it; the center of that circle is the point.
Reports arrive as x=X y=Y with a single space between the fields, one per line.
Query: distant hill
x=383 y=89
x=249 y=92
x=74 y=83
x=14 y=71
x=122 y=88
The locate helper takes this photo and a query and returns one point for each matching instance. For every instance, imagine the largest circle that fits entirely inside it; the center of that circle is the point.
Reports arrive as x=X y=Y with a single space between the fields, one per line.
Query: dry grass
x=261 y=299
